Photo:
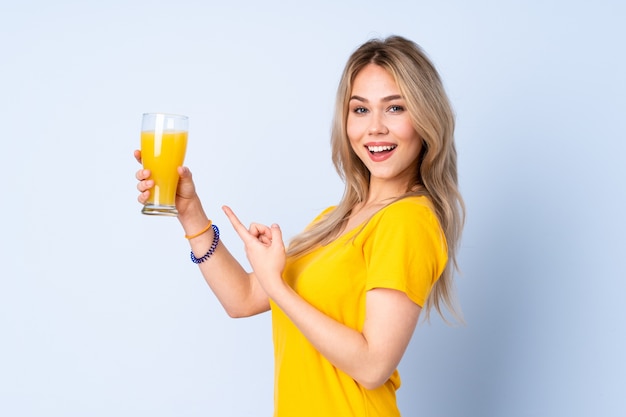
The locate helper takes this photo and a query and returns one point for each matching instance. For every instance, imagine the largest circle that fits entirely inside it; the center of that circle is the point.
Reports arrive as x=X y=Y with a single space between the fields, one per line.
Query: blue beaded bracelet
x=216 y=240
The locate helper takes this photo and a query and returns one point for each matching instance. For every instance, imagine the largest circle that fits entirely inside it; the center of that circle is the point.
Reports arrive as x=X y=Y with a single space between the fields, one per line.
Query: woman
x=347 y=293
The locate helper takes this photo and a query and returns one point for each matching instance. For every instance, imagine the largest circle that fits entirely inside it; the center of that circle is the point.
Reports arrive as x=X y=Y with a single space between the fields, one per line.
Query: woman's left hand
x=264 y=248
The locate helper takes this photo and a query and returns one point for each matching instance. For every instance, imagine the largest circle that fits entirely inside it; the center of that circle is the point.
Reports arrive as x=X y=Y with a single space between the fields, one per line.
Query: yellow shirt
x=401 y=247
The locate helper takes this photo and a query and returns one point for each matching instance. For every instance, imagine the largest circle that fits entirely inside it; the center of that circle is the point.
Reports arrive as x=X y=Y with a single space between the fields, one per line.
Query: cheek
x=410 y=137
x=405 y=130
x=408 y=134
x=418 y=147
x=353 y=132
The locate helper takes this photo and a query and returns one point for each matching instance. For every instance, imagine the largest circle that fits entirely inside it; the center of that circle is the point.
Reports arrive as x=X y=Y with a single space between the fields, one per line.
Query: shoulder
x=323 y=214
x=408 y=211
x=411 y=222
x=320 y=216
x=405 y=248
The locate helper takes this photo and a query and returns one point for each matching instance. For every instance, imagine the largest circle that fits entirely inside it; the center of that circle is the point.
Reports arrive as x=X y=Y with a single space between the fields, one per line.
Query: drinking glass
x=163 y=147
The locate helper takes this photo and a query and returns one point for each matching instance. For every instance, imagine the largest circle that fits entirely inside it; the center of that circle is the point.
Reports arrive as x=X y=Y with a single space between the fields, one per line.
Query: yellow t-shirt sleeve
x=405 y=250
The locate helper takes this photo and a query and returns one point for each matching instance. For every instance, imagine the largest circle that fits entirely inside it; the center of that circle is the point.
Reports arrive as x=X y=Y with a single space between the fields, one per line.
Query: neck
x=382 y=193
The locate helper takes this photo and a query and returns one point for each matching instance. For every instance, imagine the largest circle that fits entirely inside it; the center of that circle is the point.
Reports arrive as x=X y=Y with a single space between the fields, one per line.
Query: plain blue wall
x=102 y=314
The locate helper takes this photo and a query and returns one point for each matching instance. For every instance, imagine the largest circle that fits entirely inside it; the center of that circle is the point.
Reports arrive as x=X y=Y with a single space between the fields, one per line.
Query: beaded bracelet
x=216 y=240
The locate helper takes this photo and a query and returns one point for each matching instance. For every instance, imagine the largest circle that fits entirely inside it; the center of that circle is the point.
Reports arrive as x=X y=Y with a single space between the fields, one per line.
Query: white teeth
x=380 y=148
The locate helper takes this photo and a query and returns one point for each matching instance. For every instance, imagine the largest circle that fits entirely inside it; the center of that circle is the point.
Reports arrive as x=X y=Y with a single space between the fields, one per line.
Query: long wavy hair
x=433 y=119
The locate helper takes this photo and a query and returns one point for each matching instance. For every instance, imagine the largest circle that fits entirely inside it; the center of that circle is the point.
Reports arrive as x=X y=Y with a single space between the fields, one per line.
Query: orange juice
x=162 y=154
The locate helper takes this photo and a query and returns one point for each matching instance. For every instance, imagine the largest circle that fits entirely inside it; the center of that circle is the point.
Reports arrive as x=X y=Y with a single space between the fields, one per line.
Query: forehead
x=374 y=80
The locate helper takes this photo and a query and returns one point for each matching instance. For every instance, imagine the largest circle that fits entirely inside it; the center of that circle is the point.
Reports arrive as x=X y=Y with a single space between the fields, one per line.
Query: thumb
x=277 y=234
x=184 y=172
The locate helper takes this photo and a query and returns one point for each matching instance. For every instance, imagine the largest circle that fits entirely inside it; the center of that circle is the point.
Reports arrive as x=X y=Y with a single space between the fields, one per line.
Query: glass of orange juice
x=163 y=147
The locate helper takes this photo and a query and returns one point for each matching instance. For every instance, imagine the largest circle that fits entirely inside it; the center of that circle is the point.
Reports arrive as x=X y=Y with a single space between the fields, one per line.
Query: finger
x=143 y=197
x=183 y=172
x=137 y=155
x=265 y=240
x=145 y=185
x=237 y=225
x=258 y=230
x=277 y=235
x=262 y=233
x=142 y=174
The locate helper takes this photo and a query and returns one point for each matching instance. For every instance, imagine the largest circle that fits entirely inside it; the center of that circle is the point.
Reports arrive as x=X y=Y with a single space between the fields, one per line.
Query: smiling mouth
x=380 y=149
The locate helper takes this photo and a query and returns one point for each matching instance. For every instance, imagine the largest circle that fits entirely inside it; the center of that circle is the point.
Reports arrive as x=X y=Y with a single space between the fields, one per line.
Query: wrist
x=189 y=207
x=278 y=290
x=193 y=218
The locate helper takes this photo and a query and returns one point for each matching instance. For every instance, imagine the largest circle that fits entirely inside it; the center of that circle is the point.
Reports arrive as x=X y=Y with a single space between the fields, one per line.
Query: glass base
x=154 y=210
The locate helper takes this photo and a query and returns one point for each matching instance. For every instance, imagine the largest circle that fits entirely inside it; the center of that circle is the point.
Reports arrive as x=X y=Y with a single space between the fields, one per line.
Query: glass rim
x=181 y=116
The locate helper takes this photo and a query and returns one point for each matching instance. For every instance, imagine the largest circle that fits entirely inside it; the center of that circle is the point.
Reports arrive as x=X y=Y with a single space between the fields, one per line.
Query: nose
x=377 y=126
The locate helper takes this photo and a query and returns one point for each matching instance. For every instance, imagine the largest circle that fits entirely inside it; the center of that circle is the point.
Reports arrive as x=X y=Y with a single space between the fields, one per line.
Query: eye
x=359 y=110
x=396 y=108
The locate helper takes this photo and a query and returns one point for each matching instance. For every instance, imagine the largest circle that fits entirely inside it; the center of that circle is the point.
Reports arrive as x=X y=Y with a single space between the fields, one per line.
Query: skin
x=377 y=116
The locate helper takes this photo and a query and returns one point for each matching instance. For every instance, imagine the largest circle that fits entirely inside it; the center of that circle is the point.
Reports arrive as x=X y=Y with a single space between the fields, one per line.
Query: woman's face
x=380 y=129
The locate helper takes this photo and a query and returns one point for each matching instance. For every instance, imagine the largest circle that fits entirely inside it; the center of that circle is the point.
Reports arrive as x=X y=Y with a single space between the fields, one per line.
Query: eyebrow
x=385 y=99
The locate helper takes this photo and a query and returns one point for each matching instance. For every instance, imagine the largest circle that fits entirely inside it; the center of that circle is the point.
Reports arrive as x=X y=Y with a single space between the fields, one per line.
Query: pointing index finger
x=241 y=230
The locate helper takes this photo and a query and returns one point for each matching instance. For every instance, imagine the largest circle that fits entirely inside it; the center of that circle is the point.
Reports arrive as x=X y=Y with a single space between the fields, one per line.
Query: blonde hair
x=433 y=119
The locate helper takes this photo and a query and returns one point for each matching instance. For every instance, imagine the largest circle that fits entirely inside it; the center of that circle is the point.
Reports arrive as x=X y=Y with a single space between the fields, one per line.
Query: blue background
x=102 y=314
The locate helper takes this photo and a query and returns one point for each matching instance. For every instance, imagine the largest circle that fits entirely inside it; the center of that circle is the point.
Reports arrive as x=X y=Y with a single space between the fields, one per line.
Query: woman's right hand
x=237 y=290
x=185 y=191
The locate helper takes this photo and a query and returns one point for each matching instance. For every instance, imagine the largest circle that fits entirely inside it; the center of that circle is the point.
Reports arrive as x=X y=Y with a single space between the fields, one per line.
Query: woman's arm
x=238 y=291
x=370 y=356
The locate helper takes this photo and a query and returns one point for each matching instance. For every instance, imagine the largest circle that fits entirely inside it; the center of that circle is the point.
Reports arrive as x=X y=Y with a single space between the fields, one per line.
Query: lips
x=379 y=148
x=379 y=153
